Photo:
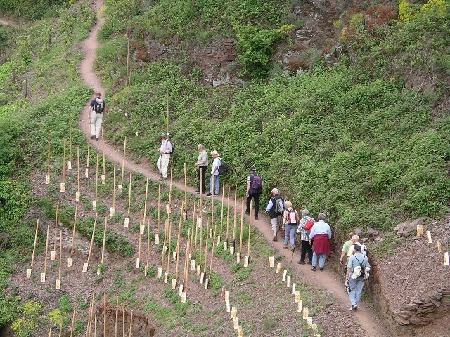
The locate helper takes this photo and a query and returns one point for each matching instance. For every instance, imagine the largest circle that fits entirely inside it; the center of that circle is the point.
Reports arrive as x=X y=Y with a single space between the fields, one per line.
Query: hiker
x=346 y=253
x=290 y=222
x=97 y=107
x=306 y=246
x=164 y=154
x=202 y=164
x=214 y=180
x=321 y=234
x=275 y=208
x=358 y=269
x=254 y=189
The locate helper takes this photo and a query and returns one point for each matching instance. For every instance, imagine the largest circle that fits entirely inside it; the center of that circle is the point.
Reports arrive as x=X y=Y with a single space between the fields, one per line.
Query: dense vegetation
x=355 y=140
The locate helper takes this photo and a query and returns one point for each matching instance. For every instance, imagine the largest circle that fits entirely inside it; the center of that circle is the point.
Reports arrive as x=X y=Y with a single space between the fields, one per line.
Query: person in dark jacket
x=254 y=189
x=272 y=210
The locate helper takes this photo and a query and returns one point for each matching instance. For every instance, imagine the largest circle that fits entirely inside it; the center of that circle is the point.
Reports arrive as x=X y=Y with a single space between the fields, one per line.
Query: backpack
x=308 y=225
x=173 y=146
x=223 y=167
x=292 y=217
x=359 y=270
x=279 y=205
x=256 y=183
x=99 y=105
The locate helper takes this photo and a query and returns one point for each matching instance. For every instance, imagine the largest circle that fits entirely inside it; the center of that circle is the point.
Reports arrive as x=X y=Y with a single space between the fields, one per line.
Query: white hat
x=275 y=191
x=214 y=153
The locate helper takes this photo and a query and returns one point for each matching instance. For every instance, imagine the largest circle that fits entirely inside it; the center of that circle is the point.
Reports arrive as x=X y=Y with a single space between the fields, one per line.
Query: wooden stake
x=227 y=233
x=169 y=246
x=77 y=194
x=86 y=174
x=147 y=265
x=186 y=262
x=103 y=246
x=185 y=187
x=167 y=127
x=94 y=204
x=123 y=320
x=45 y=256
x=145 y=202
x=139 y=246
x=221 y=215
x=62 y=186
x=104 y=314
x=69 y=259
x=123 y=163
x=116 y=319
x=58 y=281
x=131 y=323
x=53 y=252
x=72 y=324
x=69 y=162
x=241 y=234
x=248 y=241
x=178 y=244
x=103 y=176
x=235 y=216
x=112 y=210
x=34 y=249
x=86 y=264
x=159 y=216
x=126 y=222
x=47 y=177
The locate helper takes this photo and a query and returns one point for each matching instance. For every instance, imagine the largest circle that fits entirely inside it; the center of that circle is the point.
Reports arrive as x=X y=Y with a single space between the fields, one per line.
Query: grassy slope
x=40 y=52
x=350 y=140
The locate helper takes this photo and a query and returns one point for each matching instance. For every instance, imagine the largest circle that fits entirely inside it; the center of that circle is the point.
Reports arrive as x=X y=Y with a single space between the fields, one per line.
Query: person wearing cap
x=321 y=234
x=254 y=189
x=358 y=269
x=290 y=222
x=306 y=246
x=346 y=252
x=202 y=164
x=214 y=180
x=164 y=150
x=271 y=209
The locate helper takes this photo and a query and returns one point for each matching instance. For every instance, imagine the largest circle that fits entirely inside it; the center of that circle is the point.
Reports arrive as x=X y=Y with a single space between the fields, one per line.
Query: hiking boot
x=355 y=307
x=208 y=194
x=301 y=262
x=285 y=246
x=96 y=139
x=313 y=268
x=275 y=239
x=247 y=212
x=321 y=269
x=256 y=217
x=92 y=137
x=292 y=248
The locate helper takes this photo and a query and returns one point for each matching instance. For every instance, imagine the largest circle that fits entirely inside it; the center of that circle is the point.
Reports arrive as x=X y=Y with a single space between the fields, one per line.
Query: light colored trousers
x=356 y=286
x=96 y=124
x=274 y=225
x=163 y=163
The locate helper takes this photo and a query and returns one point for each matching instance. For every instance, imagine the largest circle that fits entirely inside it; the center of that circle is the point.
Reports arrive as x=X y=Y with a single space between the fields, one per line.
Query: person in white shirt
x=214 y=181
x=202 y=164
x=164 y=154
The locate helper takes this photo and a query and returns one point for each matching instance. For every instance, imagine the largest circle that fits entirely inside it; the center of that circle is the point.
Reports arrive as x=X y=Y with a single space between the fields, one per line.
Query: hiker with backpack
x=346 y=253
x=290 y=223
x=214 y=180
x=165 y=150
x=97 y=107
x=304 y=229
x=254 y=189
x=321 y=234
x=358 y=269
x=202 y=164
x=275 y=208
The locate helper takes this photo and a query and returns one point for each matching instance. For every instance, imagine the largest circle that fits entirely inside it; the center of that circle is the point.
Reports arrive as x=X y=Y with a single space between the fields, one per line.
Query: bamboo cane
x=123 y=162
x=131 y=323
x=77 y=193
x=235 y=216
x=103 y=176
x=138 y=259
x=96 y=183
x=72 y=324
x=86 y=174
x=145 y=202
x=147 y=265
x=221 y=215
x=47 y=177
x=58 y=281
x=62 y=187
x=103 y=246
x=158 y=216
x=86 y=264
x=69 y=259
x=227 y=233
x=116 y=318
x=53 y=252
x=241 y=234
x=113 y=208
x=123 y=320
x=127 y=219
x=69 y=163
x=104 y=314
x=178 y=246
x=34 y=243
x=45 y=257
x=185 y=186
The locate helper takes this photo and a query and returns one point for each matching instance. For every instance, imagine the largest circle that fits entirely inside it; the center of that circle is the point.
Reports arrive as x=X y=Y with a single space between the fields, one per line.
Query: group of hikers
x=314 y=236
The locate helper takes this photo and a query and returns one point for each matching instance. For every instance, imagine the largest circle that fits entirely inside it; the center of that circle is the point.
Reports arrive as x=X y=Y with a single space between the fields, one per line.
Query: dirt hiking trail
x=327 y=280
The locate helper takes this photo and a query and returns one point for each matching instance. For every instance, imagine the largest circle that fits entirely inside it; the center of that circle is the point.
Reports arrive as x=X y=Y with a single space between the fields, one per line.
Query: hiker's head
x=322 y=216
x=355 y=238
x=215 y=154
x=305 y=212
x=98 y=94
x=357 y=248
x=275 y=191
x=164 y=135
x=288 y=204
x=252 y=169
x=200 y=147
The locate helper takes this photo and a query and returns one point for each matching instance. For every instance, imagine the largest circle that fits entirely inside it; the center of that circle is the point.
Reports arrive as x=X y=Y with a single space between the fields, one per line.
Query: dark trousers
x=255 y=197
x=306 y=248
x=202 y=181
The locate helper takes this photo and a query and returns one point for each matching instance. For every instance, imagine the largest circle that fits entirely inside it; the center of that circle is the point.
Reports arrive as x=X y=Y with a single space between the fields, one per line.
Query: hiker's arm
x=342 y=256
x=248 y=184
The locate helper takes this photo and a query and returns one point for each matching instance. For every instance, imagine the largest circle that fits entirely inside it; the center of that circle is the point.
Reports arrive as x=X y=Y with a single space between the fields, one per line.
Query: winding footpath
x=326 y=280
